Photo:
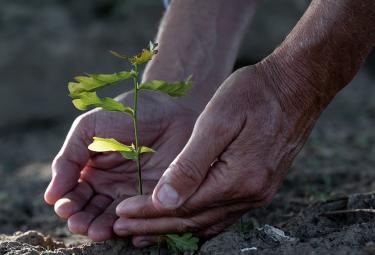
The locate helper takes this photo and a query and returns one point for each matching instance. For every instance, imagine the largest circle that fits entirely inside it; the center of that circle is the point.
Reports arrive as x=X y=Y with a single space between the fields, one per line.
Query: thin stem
x=135 y=124
x=159 y=247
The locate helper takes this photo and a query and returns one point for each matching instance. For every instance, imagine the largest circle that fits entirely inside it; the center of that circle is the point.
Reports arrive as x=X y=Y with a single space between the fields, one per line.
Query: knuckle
x=182 y=226
x=85 y=121
x=186 y=170
x=188 y=225
x=56 y=163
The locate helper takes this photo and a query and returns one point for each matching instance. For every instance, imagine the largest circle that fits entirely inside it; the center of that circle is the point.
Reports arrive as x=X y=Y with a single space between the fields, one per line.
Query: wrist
x=199 y=38
x=294 y=88
x=323 y=52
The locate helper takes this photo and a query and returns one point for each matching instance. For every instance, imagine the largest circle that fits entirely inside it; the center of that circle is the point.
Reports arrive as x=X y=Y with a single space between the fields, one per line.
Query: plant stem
x=159 y=248
x=135 y=124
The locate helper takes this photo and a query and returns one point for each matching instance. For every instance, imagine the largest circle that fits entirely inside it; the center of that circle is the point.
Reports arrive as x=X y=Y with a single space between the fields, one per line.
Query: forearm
x=325 y=50
x=199 y=38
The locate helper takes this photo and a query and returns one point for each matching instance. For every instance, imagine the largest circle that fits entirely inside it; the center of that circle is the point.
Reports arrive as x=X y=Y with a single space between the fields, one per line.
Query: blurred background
x=43 y=44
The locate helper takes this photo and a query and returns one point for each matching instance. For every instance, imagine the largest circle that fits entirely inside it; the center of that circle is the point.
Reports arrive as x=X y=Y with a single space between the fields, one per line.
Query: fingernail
x=168 y=196
x=145 y=243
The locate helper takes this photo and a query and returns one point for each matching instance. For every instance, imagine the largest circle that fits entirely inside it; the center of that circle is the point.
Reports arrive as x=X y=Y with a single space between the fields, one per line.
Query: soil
x=324 y=207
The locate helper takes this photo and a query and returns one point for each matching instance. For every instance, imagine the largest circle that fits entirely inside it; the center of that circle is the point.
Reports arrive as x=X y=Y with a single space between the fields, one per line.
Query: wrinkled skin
x=253 y=127
x=86 y=187
x=241 y=147
x=243 y=142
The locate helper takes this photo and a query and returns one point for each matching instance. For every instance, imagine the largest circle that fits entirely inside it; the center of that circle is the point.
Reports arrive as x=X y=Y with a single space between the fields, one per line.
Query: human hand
x=239 y=152
x=249 y=133
x=86 y=187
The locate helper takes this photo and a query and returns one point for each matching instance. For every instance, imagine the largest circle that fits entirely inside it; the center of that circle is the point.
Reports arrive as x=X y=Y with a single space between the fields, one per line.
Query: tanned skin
x=245 y=137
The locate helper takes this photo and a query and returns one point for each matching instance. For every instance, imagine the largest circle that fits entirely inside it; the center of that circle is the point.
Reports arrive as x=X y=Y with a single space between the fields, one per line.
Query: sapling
x=83 y=92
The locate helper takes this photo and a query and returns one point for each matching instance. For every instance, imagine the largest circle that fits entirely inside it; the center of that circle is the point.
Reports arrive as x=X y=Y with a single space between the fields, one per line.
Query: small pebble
x=249 y=249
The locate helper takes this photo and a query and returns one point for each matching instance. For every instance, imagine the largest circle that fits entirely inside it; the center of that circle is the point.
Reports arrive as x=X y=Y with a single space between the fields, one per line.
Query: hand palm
x=106 y=179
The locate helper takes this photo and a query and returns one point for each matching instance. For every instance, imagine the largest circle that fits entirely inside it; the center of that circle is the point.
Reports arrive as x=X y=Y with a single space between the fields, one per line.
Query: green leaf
x=145 y=56
x=119 y=55
x=87 y=100
x=92 y=82
x=175 y=89
x=144 y=149
x=109 y=144
x=185 y=242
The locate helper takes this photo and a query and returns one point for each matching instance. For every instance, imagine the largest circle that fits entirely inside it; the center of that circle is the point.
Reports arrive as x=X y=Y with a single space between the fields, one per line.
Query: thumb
x=68 y=163
x=183 y=177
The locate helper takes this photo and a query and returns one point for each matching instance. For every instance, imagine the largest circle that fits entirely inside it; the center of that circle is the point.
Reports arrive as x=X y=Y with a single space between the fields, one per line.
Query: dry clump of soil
x=31 y=242
x=35 y=243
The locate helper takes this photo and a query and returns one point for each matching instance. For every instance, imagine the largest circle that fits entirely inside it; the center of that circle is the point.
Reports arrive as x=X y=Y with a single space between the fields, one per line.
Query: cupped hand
x=235 y=160
x=86 y=187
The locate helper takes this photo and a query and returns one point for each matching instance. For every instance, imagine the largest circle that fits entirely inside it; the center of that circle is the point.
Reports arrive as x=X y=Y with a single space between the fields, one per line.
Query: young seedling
x=182 y=243
x=83 y=92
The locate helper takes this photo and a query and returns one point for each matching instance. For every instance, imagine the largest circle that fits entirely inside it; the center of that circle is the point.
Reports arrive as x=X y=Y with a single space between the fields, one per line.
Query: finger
x=164 y=225
x=101 y=228
x=138 y=207
x=79 y=222
x=214 y=192
x=210 y=136
x=127 y=227
x=70 y=160
x=74 y=200
x=145 y=241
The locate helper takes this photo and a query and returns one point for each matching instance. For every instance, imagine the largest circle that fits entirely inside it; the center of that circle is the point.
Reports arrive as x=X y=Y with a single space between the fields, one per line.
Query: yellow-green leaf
x=145 y=56
x=108 y=144
x=88 y=100
x=175 y=89
x=93 y=82
x=145 y=149
x=141 y=58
